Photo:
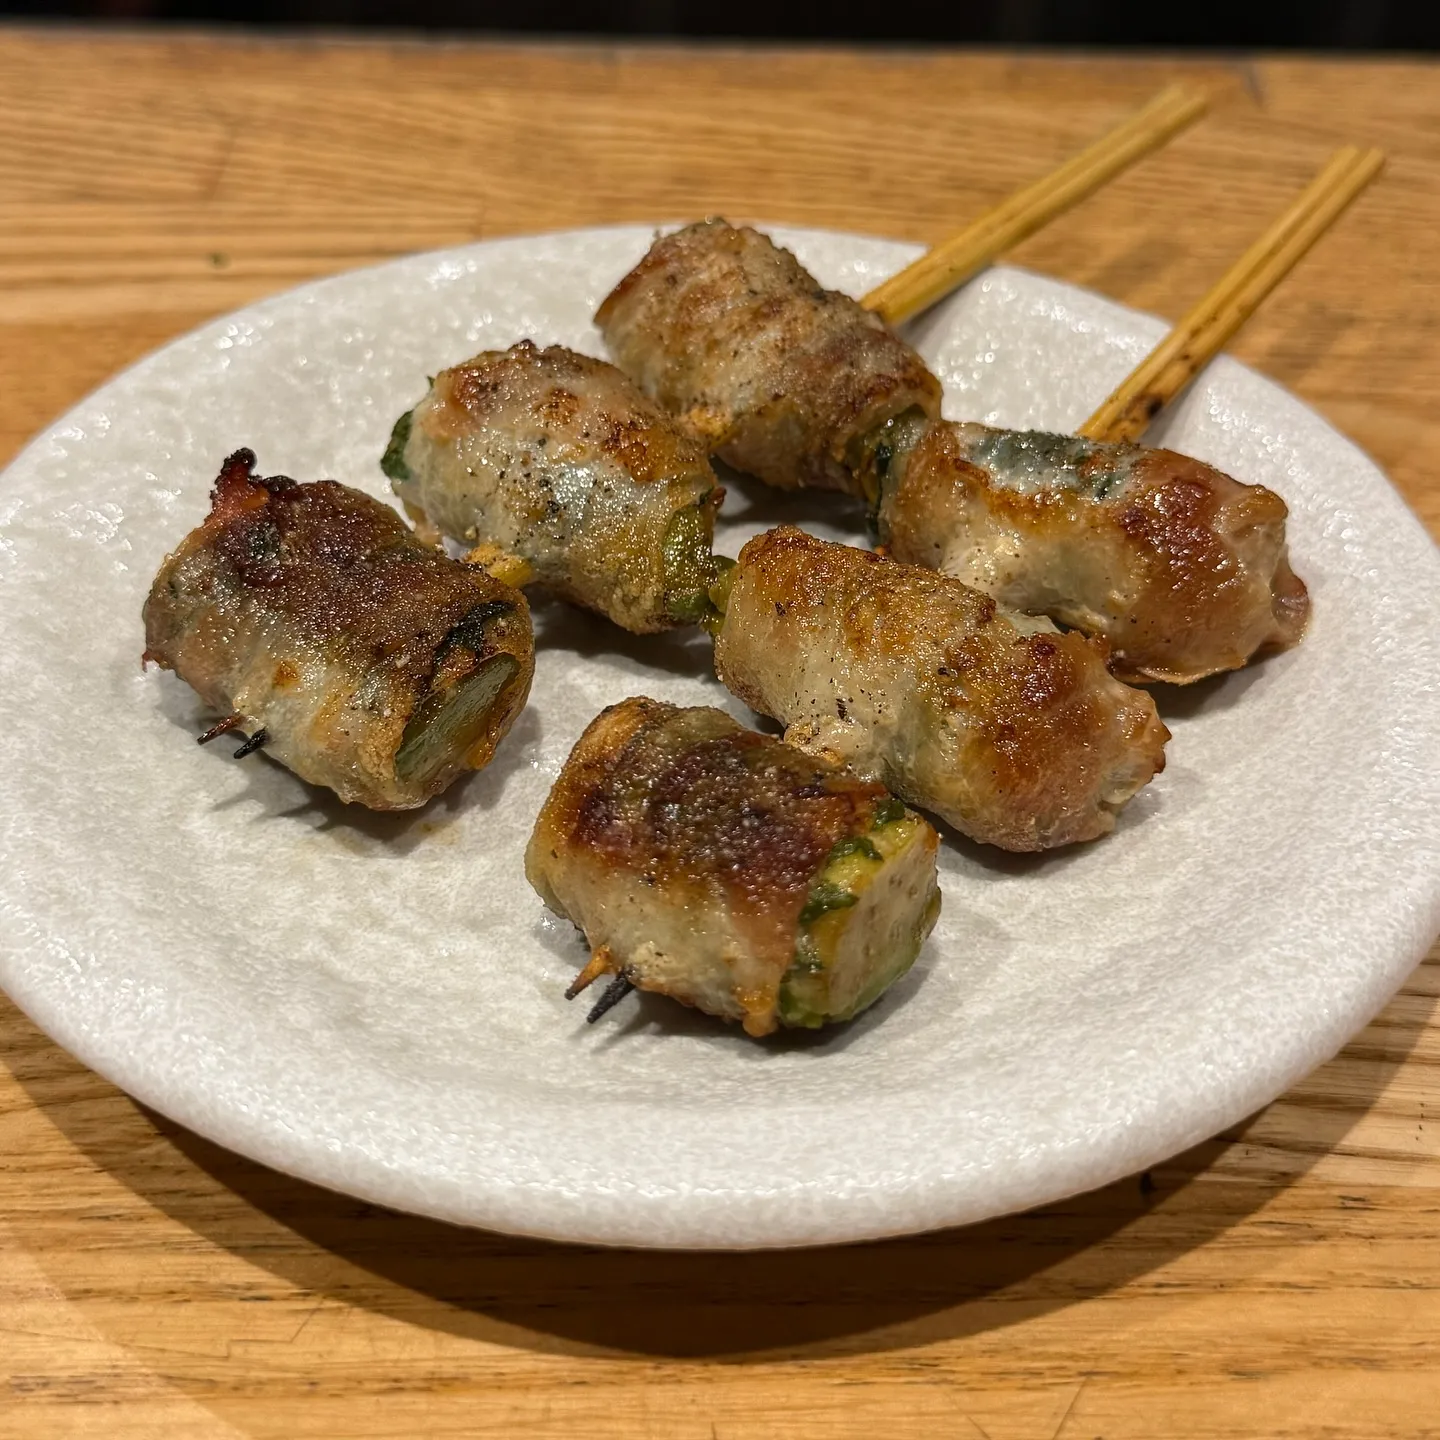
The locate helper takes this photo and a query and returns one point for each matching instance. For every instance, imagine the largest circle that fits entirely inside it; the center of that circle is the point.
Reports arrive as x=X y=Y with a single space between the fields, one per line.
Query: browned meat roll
x=1013 y=732
x=562 y=473
x=778 y=376
x=725 y=869
x=1182 y=570
x=363 y=659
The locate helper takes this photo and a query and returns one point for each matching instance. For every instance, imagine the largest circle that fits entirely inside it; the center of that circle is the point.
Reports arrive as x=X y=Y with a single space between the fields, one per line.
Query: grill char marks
x=1015 y=734
x=346 y=572
x=316 y=614
x=698 y=799
x=778 y=376
x=561 y=470
x=1180 y=569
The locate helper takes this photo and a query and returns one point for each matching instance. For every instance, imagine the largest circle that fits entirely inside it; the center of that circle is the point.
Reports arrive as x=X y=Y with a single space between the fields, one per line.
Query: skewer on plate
x=1181 y=570
x=727 y=870
x=362 y=658
x=559 y=472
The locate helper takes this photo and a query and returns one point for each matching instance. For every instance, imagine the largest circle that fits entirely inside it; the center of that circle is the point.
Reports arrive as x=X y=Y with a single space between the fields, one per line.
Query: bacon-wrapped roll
x=560 y=471
x=1013 y=732
x=362 y=658
x=780 y=377
x=729 y=871
x=1180 y=568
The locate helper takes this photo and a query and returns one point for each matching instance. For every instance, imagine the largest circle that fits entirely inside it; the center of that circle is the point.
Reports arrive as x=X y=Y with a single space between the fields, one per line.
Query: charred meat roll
x=779 y=377
x=363 y=659
x=561 y=472
x=725 y=869
x=1010 y=730
x=1182 y=570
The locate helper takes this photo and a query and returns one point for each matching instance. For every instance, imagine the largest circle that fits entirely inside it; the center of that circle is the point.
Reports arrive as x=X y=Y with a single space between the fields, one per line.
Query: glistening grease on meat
x=727 y=870
x=370 y=662
x=560 y=472
x=778 y=376
x=1182 y=570
x=1010 y=730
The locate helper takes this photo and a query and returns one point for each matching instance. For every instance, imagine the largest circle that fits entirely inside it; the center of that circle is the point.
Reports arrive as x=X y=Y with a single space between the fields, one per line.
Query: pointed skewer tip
x=600 y=963
x=615 y=992
x=253 y=743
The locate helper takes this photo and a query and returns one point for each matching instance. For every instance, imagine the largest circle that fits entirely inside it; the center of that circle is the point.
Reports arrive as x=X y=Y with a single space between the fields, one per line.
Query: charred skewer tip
x=602 y=962
x=615 y=992
x=252 y=744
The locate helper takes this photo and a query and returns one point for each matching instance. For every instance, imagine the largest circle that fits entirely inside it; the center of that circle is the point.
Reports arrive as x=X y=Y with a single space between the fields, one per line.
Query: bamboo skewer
x=1190 y=346
x=954 y=261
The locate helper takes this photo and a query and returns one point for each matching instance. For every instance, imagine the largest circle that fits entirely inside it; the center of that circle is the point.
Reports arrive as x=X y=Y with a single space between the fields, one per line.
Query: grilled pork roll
x=1013 y=732
x=560 y=471
x=725 y=869
x=778 y=376
x=312 y=617
x=1180 y=568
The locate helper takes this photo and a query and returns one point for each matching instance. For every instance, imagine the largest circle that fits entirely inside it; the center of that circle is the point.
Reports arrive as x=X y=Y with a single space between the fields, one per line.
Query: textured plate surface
x=374 y=1003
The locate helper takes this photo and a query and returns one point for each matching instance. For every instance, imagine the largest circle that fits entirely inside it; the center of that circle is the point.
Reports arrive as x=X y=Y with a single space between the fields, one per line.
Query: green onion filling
x=447 y=723
x=889 y=810
x=825 y=896
x=450 y=720
x=690 y=566
x=392 y=462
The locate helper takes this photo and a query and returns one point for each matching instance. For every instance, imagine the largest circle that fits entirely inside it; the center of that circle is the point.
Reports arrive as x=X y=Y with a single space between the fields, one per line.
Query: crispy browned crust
x=691 y=797
x=681 y=829
x=558 y=459
x=1020 y=740
x=315 y=612
x=575 y=400
x=778 y=376
x=1182 y=570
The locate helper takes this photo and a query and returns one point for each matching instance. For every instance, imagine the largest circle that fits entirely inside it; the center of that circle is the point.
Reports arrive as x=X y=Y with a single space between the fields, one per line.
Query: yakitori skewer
x=362 y=658
x=950 y=263
x=1182 y=570
x=558 y=471
x=1204 y=331
x=1009 y=729
x=731 y=871
x=561 y=474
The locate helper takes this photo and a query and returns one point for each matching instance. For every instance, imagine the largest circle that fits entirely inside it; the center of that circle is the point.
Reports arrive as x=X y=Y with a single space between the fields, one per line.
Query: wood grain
x=1283 y=1280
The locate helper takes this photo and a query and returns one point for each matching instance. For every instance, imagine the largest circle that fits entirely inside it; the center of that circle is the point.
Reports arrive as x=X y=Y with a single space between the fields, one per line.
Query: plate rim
x=1422 y=908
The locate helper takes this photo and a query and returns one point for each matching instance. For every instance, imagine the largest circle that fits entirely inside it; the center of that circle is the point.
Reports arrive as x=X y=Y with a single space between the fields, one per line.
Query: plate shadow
x=721 y=1307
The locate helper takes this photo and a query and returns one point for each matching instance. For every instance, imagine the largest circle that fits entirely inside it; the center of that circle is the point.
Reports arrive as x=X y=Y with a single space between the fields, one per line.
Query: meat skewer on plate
x=560 y=472
x=1011 y=731
x=780 y=376
x=361 y=658
x=729 y=871
x=1182 y=570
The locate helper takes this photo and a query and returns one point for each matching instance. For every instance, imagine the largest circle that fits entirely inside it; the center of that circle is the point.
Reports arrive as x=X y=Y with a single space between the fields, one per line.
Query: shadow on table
x=581 y=1300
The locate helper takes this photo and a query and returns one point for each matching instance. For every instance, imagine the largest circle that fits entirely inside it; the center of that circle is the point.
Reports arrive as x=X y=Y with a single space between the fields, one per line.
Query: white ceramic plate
x=374 y=1003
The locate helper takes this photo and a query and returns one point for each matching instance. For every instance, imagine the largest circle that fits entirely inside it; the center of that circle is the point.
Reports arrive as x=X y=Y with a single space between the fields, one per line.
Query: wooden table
x=1281 y=1280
